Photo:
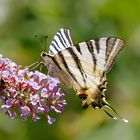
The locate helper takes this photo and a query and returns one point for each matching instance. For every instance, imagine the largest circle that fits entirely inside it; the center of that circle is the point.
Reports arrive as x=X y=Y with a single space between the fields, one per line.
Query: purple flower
x=12 y=90
x=34 y=84
x=39 y=76
x=35 y=117
x=51 y=120
x=34 y=99
x=10 y=102
x=44 y=93
x=5 y=108
x=25 y=111
x=40 y=110
x=5 y=74
x=26 y=93
x=53 y=82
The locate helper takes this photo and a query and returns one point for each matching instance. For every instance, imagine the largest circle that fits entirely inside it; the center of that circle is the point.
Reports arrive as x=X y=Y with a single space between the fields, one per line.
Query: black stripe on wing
x=68 y=36
x=113 y=47
x=64 y=62
x=46 y=56
x=91 y=50
x=77 y=63
x=97 y=44
x=110 y=42
x=78 y=48
x=62 y=40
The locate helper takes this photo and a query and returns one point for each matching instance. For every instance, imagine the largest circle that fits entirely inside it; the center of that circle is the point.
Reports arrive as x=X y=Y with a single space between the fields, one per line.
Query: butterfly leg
x=33 y=66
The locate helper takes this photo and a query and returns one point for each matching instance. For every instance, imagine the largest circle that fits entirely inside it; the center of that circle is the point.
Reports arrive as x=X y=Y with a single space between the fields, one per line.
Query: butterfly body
x=83 y=66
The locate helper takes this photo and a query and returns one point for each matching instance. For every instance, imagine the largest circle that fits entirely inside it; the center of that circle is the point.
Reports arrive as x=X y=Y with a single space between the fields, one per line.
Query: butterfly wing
x=100 y=52
x=113 y=47
x=55 y=68
x=61 y=41
x=82 y=65
x=87 y=62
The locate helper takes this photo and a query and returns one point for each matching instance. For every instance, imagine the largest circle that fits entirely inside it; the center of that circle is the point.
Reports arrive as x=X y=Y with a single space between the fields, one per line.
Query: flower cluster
x=25 y=93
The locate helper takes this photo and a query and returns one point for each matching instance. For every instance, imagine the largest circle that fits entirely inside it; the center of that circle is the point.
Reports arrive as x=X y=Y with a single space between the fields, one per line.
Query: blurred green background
x=20 y=20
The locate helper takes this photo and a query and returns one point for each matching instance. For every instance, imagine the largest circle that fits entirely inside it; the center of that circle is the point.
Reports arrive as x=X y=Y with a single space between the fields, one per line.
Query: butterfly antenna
x=38 y=63
x=45 y=43
x=110 y=107
x=40 y=42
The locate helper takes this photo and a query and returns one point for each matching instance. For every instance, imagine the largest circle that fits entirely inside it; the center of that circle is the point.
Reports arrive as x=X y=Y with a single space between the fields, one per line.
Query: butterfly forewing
x=62 y=40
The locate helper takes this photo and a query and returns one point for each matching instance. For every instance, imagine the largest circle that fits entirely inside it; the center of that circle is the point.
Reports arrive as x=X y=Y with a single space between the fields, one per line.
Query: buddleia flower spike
x=26 y=93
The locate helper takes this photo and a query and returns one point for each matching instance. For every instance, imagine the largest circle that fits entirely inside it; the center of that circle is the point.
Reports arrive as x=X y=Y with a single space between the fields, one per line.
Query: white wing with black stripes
x=62 y=40
x=86 y=63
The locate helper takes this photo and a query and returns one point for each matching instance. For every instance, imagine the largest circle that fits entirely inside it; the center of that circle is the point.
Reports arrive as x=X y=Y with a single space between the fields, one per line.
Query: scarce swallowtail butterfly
x=83 y=66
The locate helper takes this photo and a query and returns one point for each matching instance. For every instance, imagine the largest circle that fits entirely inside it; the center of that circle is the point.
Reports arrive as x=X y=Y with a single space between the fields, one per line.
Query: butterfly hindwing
x=114 y=46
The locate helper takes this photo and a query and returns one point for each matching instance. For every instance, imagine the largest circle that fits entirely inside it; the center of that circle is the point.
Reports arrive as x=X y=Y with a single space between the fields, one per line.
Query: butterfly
x=83 y=66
